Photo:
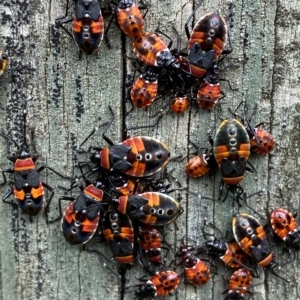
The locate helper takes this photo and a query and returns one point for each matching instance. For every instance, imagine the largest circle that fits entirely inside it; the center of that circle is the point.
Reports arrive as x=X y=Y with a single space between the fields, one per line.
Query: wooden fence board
x=68 y=96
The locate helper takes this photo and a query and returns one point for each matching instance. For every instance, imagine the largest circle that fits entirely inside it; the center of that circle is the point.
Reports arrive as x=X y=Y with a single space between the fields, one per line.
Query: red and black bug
x=150 y=208
x=3 y=62
x=196 y=271
x=251 y=237
x=151 y=244
x=27 y=188
x=138 y=156
x=87 y=25
x=209 y=92
x=210 y=33
x=153 y=51
x=231 y=147
x=160 y=284
x=130 y=18
x=261 y=141
x=144 y=88
x=285 y=226
x=203 y=162
x=118 y=232
x=239 y=285
x=230 y=253
x=82 y=216
x=206 y=42
x=179 y=104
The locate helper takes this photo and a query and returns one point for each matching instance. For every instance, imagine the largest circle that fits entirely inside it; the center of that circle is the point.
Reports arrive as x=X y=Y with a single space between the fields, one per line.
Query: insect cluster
x=124 y=191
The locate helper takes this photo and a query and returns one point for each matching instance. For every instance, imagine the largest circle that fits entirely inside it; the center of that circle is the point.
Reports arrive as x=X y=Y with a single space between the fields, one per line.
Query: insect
x=210 y=33
x=179 y=104
x=3 y=62
x=209 y=92
x=27 y=188
x=153 y=51
x=231 y=147
x=87 y=25
x=130 y=18
x=118 y=232
x=239 y=285
x=3 y=66
x=82 y=216
x=206 y=42
x=144 y=89
x=230 y=253
x=151 y=244
x=160 y=284
x=138 y=156
x=261 y=141
x=196 y=271
x=150 y=208
x=203 y=162
x=251 y=237
x=285 y=227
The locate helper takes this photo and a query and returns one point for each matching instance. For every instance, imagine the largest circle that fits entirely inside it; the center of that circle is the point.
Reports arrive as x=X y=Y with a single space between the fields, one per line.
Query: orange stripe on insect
x=20 y=195
x=90 y=226
x=131 y=143
x=104 y=158
x=94 y=192
x=24 y=164
x=265 y=262
x=122 y=204
x=232 y=181
x=124 y=259
x=97 y=27
x=139 y=145
x=76 y=25
x=152 y=197
x=108 y=234
x=38 y=191
x=70 y=217
x=126 y=235
x=149 y=219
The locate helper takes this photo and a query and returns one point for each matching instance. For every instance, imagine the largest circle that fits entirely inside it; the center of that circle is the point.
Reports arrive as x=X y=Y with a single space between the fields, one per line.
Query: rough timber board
x=67 y=95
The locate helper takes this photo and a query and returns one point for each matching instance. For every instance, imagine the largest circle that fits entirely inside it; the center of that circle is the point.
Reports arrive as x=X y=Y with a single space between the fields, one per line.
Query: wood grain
x=68 y=96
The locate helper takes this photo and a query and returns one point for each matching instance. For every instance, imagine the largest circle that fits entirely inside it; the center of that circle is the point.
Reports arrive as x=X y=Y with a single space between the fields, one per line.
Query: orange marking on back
x=24 y=164
x=104 y=159
x=124 y=259
x=220 y=153
x=90 y=225
x=93 y=192
x=122 y=204
x=233 y=181
x=108 y=234
x=38 y=191
x=139 y=144
x=265 y=262
x=97 y=27
x=76 y=25
x=149 y=219
x=20 y=195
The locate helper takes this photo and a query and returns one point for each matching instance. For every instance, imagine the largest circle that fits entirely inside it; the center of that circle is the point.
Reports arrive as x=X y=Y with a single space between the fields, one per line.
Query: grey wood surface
x=68 y=96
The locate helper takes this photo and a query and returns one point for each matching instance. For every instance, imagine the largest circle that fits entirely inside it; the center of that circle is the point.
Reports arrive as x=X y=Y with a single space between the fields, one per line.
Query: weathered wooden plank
x=66 y=96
